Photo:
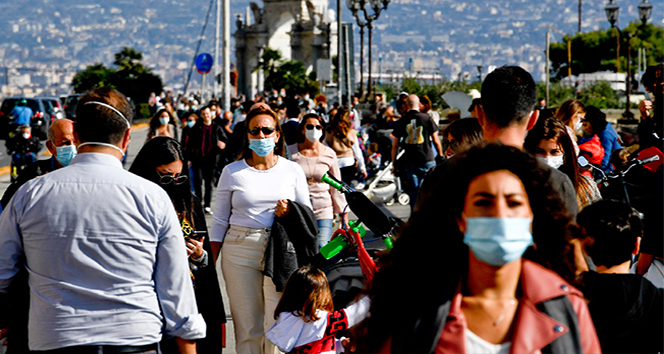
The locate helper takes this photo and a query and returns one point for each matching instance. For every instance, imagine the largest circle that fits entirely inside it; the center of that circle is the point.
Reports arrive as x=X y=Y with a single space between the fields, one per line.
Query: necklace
x=501 y=317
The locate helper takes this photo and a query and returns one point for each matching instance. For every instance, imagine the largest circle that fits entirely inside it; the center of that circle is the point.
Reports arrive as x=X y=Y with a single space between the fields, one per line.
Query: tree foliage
x=596 y=51
x=290 y=75
x=130 y=77
x=598 y=94
x=433 y=91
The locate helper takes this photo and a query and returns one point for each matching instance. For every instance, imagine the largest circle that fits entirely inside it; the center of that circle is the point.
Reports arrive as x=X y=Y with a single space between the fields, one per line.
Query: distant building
x=302 y=30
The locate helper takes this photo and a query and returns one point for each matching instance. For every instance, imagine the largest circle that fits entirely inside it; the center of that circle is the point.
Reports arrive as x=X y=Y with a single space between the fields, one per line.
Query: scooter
x=345 y=260
x=614 y=185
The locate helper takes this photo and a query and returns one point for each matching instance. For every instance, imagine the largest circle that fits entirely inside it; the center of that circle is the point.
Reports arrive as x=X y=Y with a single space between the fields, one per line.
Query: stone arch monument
x=302 y=30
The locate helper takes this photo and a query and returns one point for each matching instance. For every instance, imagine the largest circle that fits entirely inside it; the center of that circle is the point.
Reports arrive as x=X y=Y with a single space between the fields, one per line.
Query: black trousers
x=203 y=170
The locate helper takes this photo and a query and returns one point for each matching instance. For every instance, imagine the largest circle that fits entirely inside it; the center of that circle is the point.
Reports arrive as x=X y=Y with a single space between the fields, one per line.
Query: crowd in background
x=520 y=238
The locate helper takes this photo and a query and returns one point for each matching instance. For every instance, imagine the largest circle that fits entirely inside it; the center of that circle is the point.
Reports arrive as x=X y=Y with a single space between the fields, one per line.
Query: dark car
x=70 y=105
x=40 y=122
x=53 y=107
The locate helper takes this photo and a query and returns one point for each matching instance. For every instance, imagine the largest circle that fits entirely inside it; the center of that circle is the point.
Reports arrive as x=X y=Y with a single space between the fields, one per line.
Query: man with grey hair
x=414 y=133
x=107 y=265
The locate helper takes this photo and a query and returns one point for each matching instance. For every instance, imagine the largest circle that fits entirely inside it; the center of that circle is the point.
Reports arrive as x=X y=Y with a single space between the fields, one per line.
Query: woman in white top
x=251 y=192
x=317 y=159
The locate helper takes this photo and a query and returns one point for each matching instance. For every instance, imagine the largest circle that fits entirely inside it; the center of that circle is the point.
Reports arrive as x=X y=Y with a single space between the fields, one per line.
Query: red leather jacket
x=535 y=330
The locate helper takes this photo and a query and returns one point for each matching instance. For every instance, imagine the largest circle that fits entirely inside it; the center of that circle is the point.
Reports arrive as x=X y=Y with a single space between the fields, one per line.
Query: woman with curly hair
x=484 y=270
x=342 y=138
x=550 y=141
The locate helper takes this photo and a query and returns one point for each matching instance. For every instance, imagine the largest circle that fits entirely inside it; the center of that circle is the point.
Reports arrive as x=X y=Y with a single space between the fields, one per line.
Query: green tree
x=128 y=60
x=93 y=76
x=435 y=92
x=290 y=75
x=601 y=95
x=131 y=77
x=596 y=51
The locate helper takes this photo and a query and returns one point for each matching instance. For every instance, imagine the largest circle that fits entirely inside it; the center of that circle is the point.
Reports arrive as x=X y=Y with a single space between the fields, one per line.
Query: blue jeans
x=324 y=231
x=24 y=158
x=412 y=177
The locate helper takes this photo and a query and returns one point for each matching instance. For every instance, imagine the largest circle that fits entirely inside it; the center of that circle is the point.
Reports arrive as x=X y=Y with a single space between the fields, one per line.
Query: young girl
x=306 y=320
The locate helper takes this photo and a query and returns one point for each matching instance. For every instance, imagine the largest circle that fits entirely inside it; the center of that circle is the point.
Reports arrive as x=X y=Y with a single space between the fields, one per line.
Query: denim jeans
x=412 y=177
x=324 y=231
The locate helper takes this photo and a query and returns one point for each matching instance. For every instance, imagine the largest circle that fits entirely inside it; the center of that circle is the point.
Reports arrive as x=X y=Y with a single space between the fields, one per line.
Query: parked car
x=70 y=105
x=40 y=120
x=53 y=107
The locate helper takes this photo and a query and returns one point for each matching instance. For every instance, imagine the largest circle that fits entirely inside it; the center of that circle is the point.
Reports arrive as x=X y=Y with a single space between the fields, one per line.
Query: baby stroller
x=385 y=187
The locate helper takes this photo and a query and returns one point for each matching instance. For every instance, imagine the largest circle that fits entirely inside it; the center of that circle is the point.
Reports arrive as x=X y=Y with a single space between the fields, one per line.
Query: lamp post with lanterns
x=612 y=10
x=360 y=5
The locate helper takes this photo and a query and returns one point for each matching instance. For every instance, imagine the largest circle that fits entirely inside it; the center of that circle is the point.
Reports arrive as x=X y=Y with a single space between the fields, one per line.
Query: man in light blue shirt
x=106 y=260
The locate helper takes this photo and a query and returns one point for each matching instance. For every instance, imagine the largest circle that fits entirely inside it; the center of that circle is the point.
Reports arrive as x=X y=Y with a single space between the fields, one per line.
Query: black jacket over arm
x=293 y=243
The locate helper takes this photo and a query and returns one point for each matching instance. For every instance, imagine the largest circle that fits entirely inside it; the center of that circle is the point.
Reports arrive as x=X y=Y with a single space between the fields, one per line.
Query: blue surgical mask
x=164 y=121
x=498 y=241
x=262 y=147
x=191 y=123
x=64 y=154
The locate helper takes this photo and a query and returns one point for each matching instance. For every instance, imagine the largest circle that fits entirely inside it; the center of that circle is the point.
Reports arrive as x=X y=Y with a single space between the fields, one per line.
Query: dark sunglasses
x=311 y=127
x=265 y=130
x=452 y=144
x=168 y=179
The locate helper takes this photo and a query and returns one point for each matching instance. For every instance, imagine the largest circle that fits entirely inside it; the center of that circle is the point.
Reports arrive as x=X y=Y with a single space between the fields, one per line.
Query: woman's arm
x=301 y=186
x=338 y=199
x=359 y=157
x=222 y=212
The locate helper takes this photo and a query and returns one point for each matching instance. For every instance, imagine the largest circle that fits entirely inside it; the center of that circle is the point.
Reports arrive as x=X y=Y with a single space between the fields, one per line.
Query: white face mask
x=554 y=161
x=26 y=136
x=577 y=126
x=313 y=135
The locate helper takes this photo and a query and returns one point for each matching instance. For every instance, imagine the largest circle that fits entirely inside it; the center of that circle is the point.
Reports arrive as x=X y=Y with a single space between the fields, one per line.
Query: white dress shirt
x=105 y=256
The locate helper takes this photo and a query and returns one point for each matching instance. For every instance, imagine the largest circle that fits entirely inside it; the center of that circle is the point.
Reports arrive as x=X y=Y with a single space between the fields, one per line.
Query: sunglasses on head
x=311 y=127
x=265 y=130
x=168 y=179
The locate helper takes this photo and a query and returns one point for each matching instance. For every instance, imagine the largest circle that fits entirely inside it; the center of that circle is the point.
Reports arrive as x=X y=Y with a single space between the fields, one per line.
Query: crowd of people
x=511 y=246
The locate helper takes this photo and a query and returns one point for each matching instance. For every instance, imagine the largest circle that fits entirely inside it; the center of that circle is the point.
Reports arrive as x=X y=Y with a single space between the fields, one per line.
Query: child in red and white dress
x=306 y=320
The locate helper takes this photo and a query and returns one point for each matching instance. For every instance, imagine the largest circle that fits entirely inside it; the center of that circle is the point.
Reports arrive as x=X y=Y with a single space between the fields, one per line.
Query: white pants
x=252 y=296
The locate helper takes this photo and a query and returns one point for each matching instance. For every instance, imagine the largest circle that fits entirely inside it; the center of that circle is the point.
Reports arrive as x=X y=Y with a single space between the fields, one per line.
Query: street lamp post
x=612 y=10
x=377 y=6
x=354 y=6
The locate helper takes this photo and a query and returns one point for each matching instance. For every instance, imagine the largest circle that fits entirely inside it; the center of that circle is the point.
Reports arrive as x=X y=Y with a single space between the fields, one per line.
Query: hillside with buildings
x=46 y=41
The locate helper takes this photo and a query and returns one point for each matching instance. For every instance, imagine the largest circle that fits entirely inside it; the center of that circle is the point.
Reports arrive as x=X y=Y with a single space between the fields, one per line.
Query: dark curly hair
x=429 y=258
